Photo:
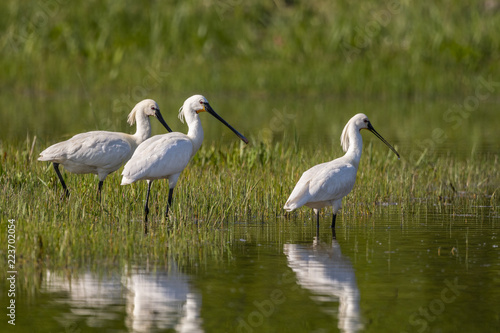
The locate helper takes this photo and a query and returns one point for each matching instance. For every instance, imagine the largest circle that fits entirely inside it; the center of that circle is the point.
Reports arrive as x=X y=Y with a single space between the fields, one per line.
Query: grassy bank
x=221 y=187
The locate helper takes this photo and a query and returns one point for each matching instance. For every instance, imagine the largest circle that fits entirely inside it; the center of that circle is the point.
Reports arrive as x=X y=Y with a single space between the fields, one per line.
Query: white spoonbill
x=101 y=152
x=327 y=183
x=165 y=156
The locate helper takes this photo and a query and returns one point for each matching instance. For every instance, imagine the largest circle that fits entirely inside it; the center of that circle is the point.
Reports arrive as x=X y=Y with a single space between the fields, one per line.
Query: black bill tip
x=209 y=109
x=371 y=129
x=161 y=120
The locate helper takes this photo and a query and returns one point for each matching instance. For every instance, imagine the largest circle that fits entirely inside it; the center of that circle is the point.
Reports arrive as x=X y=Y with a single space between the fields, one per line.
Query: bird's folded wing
x=158 y=157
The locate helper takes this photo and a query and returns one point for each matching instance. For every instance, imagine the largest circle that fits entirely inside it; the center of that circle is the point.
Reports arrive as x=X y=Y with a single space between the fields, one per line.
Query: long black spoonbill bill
x=101 y=152
x=327 y=183
x=165 y=156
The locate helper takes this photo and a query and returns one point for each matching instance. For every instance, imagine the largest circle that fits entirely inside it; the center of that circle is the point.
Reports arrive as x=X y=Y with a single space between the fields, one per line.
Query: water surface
x=381 y=273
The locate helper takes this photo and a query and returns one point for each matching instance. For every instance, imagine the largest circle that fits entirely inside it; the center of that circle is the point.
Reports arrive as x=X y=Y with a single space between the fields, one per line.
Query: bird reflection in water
x=322 y=269
x=159 y=301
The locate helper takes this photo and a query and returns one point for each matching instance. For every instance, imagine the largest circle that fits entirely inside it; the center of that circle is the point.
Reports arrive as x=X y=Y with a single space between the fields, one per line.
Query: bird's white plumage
x=327 y=183
x=102 y=152
x=323 y=185
x=161 y=156
x=97 y=152
x=165 y=156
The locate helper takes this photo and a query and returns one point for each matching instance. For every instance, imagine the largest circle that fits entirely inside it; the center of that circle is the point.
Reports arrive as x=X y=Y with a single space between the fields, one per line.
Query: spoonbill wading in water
x=101 y=152
x=327 y=183
x=165 y=156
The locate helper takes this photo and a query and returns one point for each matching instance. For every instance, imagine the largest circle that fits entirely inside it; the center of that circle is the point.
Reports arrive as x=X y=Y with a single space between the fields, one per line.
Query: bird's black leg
x=317 y=223
x=56 y=168
x=334 y=234
x=169 y=203
x=146 y=206
x=333 y=221
x=99 y=188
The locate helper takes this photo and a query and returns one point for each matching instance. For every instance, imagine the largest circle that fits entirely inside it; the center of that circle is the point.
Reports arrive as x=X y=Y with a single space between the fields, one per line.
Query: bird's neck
x=143 y=131
x=353 y=153
x=195 y=132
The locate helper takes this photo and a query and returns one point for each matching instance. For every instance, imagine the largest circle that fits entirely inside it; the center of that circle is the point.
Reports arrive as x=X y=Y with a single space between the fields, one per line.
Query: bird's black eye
x=365 y=120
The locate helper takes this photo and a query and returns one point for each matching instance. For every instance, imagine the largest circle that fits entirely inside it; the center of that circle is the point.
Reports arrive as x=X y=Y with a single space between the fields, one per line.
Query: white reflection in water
x=153 y=301
x=324 y=271
x=88 y=297
x=161 y=301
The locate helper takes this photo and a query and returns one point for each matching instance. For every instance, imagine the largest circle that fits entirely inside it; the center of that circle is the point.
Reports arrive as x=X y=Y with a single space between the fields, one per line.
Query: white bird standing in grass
x=327 y=183
x=101 y=152
x=165 y=156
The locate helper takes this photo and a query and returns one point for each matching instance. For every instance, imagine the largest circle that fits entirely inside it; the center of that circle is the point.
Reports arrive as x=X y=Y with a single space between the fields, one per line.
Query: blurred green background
x=427 y=74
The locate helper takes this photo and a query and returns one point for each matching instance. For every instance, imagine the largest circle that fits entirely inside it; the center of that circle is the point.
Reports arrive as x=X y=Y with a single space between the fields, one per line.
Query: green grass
x=221 y=187
x=277 y=71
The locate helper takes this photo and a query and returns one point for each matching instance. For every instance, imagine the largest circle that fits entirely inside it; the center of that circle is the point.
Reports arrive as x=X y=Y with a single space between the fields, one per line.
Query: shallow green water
x=382 y=273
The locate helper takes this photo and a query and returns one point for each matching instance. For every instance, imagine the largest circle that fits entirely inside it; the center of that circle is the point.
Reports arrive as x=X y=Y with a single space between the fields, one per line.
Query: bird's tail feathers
x=126 y=181
x=290 y=206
